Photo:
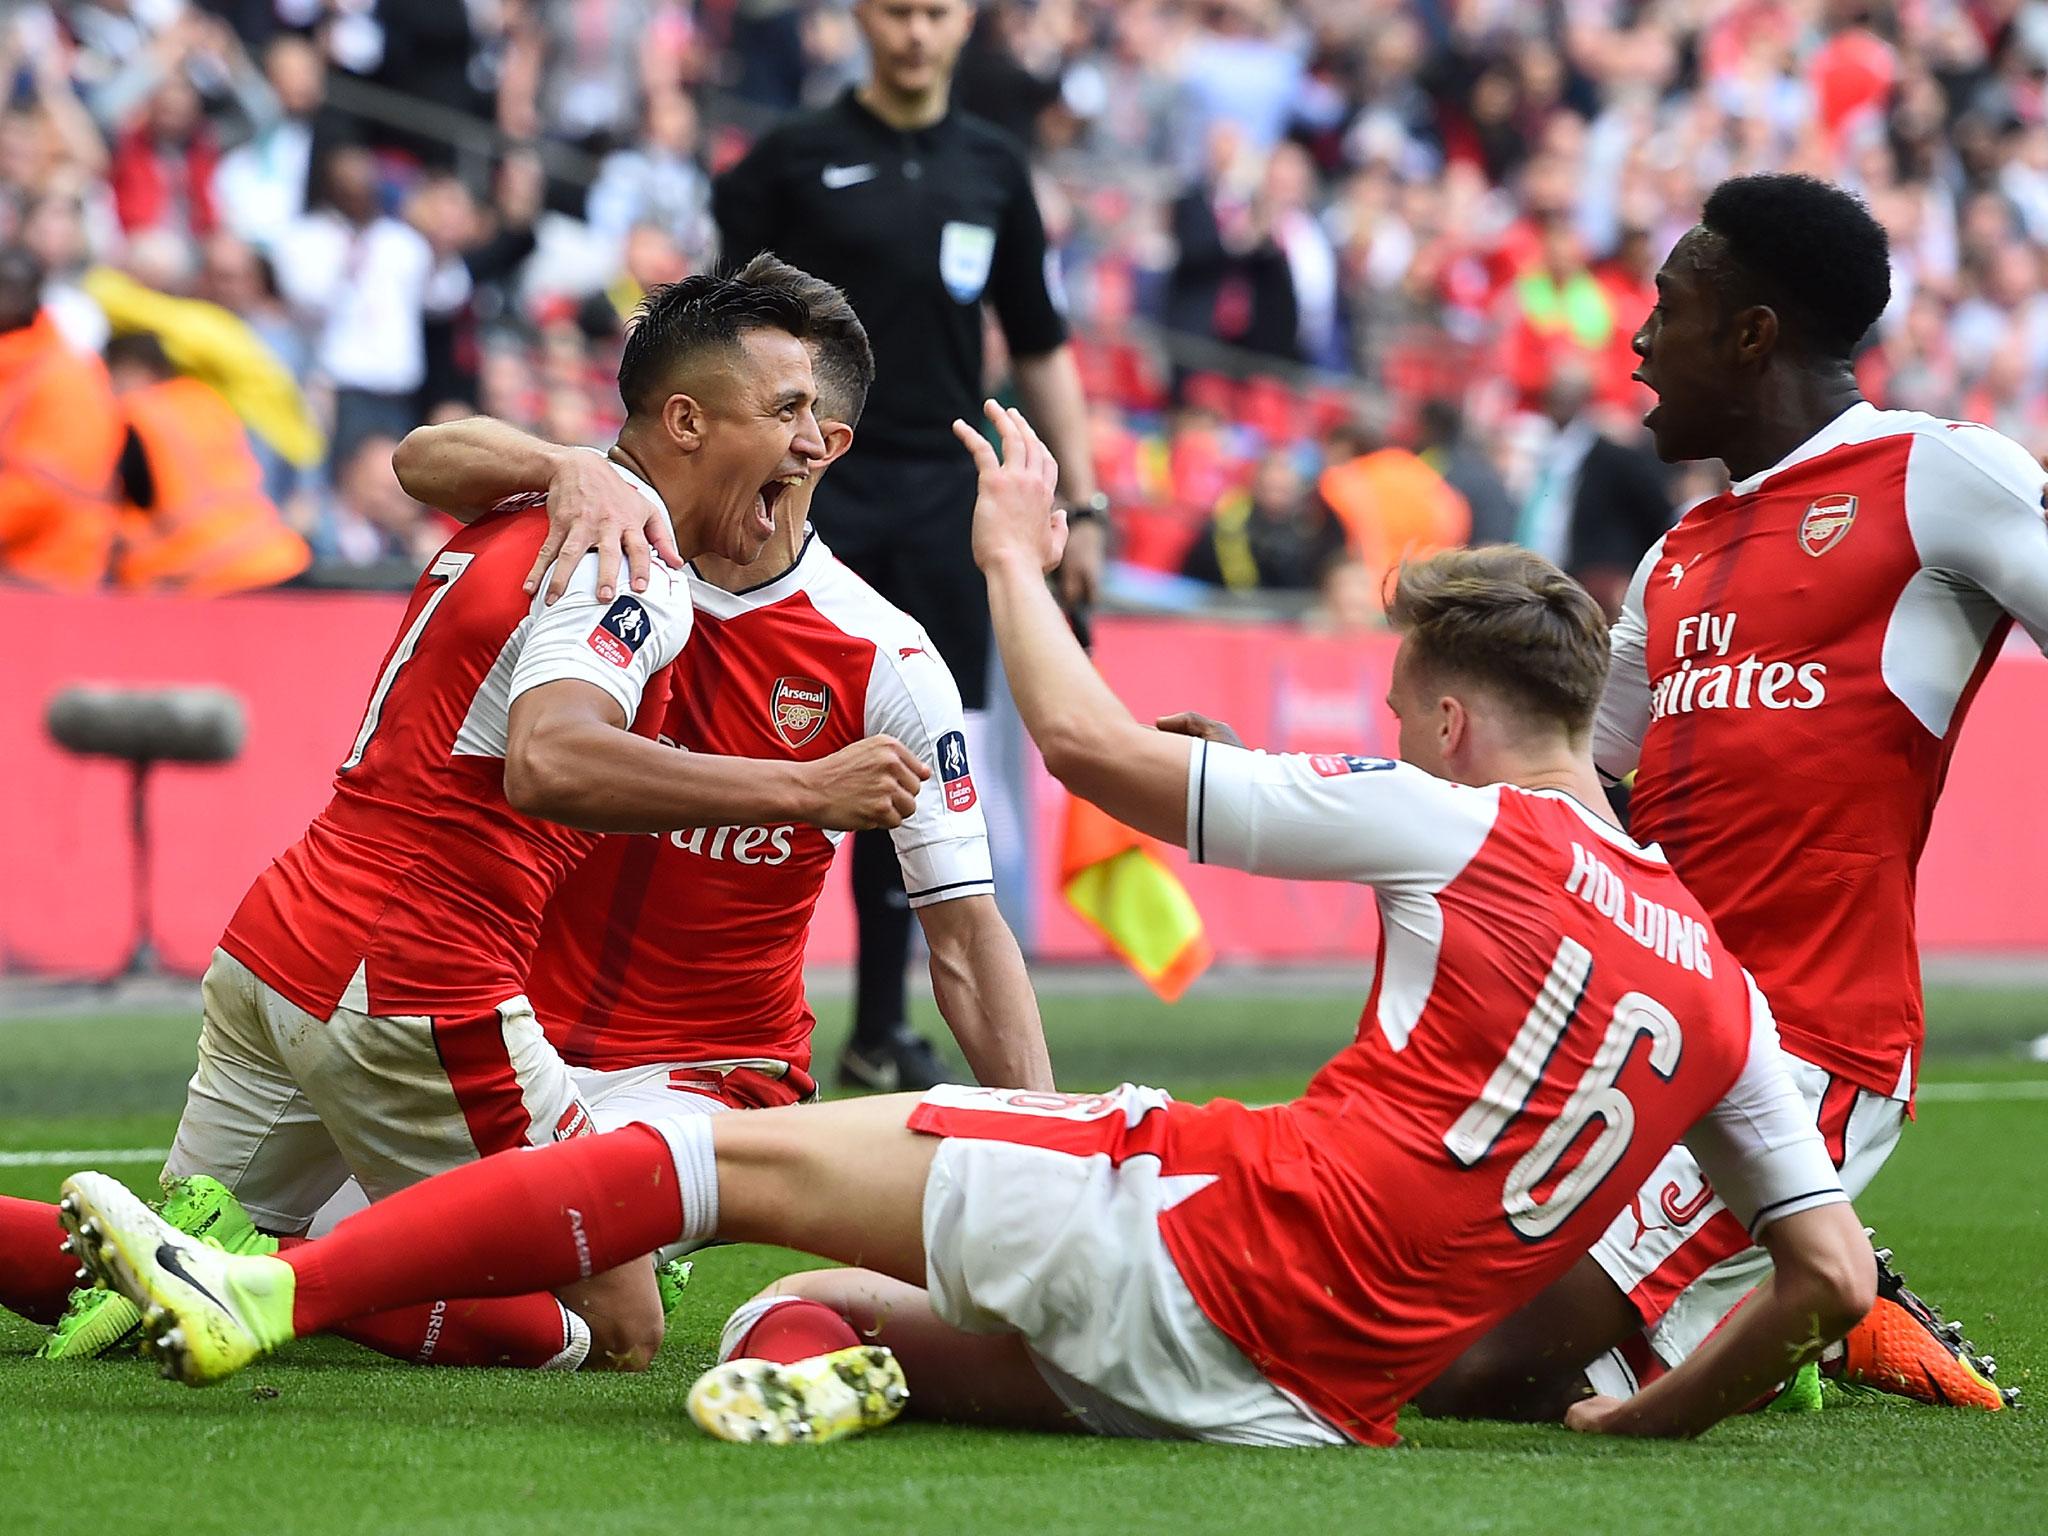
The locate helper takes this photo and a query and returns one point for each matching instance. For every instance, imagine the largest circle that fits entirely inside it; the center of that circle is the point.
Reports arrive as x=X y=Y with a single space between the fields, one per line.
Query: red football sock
x=524 y=1332
x=794 y=1330
x=506 y=1226
x=36 y=1275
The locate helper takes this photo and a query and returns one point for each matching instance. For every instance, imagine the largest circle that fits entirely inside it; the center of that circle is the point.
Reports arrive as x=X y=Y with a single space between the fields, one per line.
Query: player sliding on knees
x=1528 y=1052
x=365 y=1013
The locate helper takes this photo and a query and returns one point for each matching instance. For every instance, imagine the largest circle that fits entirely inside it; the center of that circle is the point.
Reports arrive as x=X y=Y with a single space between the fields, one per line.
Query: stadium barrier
x=301 y=663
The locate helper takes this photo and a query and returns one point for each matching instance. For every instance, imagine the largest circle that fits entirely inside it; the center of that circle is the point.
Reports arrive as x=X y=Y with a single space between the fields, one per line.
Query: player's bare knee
x=1493 y=1380
x=823 y=1285
x=623 y=1338
x=1460 y=1390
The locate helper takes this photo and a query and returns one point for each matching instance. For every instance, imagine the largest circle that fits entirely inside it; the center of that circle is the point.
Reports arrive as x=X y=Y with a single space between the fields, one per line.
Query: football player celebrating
x=670 y=969
x=1791 y=668
x=365 y=1011
x=1551 y=1011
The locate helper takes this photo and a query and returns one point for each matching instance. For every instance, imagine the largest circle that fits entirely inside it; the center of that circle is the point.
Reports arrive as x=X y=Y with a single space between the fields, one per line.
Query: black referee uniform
x=920 y=228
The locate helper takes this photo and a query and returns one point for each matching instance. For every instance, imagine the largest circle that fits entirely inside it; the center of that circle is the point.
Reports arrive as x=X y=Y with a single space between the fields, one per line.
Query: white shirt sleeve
x=1332 y=816
x=1759 y=1146
x=618 y=646
x=1973 y=502
x=1624 y=713
x=310 y=256
x=943 y=843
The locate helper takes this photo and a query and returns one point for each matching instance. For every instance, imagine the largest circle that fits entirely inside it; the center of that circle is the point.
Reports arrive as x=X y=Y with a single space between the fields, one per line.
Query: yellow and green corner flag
x=1119 y=885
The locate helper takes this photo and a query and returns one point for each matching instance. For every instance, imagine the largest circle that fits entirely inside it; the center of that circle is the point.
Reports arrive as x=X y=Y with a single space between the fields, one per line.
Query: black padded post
x=143 y=727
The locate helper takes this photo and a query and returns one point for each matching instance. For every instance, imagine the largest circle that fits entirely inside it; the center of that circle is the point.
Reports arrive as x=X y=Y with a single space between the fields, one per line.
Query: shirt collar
x=632 y=477
x=721 y=604
x=1600 y=825
x=1848 y=427
x=852 y=108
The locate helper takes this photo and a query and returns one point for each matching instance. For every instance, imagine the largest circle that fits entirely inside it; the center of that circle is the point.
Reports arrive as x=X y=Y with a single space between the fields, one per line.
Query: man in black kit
x=922 y=214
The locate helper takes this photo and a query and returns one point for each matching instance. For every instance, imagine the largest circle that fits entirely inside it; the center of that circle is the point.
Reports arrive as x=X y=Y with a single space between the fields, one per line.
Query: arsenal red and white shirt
x=419 y=890
x=1791 y=668
x=1549 y=1014
x=689 y=947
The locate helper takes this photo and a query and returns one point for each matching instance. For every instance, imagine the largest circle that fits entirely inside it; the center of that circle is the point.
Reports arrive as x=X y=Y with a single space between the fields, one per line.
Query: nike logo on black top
x=838 y=176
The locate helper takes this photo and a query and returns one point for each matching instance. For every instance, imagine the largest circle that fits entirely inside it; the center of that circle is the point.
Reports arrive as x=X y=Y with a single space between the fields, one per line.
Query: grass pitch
x=330 y=1438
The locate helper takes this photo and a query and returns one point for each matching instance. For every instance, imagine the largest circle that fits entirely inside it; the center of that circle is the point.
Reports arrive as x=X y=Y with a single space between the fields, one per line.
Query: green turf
x=330 y=1439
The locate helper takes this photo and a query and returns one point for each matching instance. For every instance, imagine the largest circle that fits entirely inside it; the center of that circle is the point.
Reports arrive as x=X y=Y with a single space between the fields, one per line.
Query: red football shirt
x=1791 y=669
x=1550 y=1013
x=419 y=890
x=689 y=947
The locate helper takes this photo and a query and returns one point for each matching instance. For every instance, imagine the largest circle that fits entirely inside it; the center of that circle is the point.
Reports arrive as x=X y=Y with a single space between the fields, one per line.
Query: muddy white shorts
x=1065 y=1249
x=284 y=1107
x=1685 y=1262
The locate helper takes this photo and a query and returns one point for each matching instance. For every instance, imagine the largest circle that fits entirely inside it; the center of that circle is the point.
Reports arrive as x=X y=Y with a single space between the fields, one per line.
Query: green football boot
x=98 y=1322
x=672 y=1279
x=1801 y=1394
x=206 y=1313
x=204 y=1208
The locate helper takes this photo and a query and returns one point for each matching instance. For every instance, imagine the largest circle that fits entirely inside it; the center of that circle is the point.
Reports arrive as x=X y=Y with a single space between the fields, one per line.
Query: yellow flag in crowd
x=1119 y=885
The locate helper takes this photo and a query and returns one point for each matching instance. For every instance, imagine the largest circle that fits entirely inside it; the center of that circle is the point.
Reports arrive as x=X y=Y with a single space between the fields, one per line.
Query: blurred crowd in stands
x=1349 y=277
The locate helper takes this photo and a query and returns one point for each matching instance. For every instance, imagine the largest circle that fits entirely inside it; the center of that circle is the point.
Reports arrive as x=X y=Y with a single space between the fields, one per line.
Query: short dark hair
x=1811 y=251
x=844 y=361
x=139 y=349
x=1506 y=618
x=676 y=322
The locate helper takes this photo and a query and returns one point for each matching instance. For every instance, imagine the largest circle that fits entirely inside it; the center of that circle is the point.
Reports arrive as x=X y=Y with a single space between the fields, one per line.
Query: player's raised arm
x=1331 y=816
x=1764 y=1155
x=1501 y=664
x=472 y=467
x=1088 y=739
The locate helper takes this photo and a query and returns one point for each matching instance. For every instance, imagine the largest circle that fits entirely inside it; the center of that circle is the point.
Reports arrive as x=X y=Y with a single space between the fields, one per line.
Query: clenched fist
x=872 y=783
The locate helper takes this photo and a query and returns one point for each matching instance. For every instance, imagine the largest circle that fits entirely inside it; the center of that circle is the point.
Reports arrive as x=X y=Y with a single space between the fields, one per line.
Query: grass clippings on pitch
x=329 y=1438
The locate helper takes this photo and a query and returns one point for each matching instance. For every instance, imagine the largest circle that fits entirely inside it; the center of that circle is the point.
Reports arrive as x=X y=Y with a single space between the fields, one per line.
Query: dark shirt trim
x=782 y=575
x=1788 y=1200
x=951 y=885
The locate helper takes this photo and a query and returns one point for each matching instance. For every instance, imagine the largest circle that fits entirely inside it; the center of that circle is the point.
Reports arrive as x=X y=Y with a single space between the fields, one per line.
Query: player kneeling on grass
x=365 y=1013
x=1551 y=1012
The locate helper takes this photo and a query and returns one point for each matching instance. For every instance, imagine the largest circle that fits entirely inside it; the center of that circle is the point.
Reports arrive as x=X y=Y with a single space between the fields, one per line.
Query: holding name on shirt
x=1664 y=931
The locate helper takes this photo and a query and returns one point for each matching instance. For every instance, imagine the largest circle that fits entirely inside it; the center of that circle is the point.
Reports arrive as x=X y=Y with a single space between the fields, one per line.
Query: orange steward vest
x=212 y=530
x=60 y=438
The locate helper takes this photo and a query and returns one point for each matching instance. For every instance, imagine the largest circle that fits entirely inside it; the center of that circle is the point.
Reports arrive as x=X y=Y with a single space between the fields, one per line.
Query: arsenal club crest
x=1826 y=523
x=798 y=706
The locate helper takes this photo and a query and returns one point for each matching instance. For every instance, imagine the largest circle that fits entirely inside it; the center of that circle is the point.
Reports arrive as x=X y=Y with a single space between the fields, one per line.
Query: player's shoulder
x=855 y=608
x=489 y=549
x=1968 y=450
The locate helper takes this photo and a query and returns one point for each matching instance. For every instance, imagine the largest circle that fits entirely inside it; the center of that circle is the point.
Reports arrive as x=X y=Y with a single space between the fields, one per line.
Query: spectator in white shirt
x=260 y=186
x=360 y=280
